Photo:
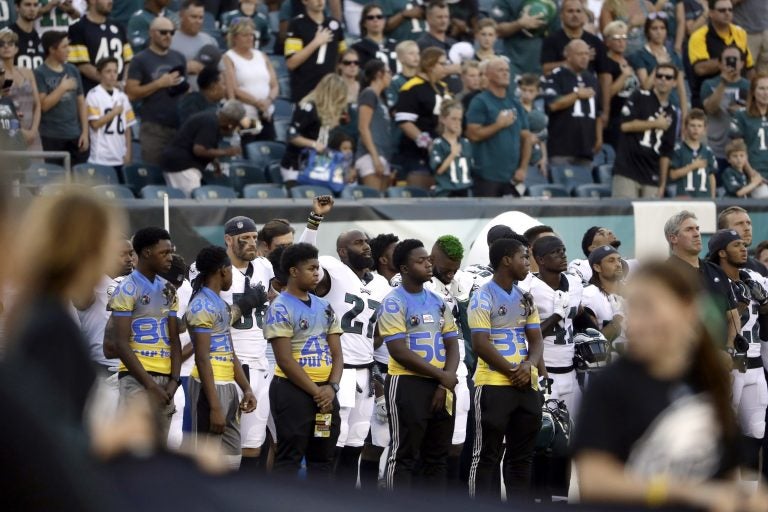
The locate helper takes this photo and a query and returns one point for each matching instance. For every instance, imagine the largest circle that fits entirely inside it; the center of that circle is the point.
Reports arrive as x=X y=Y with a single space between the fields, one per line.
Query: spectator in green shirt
x=451 y=154
x=739 y=178
x=693 y=165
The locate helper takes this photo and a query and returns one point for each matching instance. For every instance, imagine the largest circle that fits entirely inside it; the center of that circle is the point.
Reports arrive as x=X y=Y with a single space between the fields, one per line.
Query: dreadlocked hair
x=451 y=247
x=209 y=260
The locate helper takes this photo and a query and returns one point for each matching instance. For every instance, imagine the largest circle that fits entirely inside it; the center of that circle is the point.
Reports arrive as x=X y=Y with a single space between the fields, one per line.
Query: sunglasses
x=723 y=10
x=657 y=15
x=374 y=17
x=166 y=32
x=350 y=62
x=662 y=76
x=9 y=44
x=619 y=37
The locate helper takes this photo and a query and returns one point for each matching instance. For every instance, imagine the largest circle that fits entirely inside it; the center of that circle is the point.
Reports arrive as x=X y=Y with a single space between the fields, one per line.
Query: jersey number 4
x=348 y=322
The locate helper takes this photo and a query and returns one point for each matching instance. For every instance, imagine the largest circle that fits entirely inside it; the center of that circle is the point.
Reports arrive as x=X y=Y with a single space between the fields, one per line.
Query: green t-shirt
x=459 y=174
x=733 y=181
x=410 y=28
x=522 y=50
x=696 y=183
x=754 y=131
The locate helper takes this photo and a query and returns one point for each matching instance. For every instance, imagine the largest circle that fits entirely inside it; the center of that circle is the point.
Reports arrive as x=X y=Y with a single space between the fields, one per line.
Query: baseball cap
x=721 y=239
x=601 y=253
x=239 y=225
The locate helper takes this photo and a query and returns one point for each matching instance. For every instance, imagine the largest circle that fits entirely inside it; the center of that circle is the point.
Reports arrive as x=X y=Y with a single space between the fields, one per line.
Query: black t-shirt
x=638 y=155
x=572 y=130
x=305 y=123
x=652 y=426
x=553 y=46
x=200 y=129
x=30 y=54
x=90 y=42
x=419 y=103
x=301 y=31
x=367 y=50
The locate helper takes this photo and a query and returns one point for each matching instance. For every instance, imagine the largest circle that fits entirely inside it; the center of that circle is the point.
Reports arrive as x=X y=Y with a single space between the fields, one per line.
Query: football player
x=601 y=297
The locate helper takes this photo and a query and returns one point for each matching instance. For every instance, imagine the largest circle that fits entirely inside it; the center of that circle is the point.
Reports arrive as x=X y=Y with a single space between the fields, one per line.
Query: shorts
x=186 y=181
x=229 y=397
x=364 y=166
x=253 y=425
x=129 y=387
x=356 y=421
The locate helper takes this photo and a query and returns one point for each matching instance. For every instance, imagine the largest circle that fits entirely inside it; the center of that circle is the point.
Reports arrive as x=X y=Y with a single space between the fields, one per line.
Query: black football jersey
x=368 y=49
x=90 y=42
x=638 y=155
x=419 y=103
x=30 y=54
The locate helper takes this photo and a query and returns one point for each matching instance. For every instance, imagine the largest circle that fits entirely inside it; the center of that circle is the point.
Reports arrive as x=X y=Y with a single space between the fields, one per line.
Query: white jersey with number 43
x=355 y=302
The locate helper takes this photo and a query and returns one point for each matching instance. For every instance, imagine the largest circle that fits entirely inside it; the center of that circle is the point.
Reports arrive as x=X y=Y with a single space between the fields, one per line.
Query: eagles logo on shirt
x=526 y=305
x=303 y=324
x=414 y=320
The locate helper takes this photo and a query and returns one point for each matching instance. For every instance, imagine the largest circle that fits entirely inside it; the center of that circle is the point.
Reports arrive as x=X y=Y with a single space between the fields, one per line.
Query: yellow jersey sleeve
x=78 y=54
x=479 y=314
x=697 y=46
x=335 y=325
x=199 y=317
x=278 y=322
x=392 y=320
x=293 y=45
x=342 y=46
x=533 y=319
x=123 y=300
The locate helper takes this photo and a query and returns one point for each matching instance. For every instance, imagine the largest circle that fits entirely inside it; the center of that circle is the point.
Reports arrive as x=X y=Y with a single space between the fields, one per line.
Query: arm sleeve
x=78 y=50
x=123 y=299
x=391 y=321
x=198 y=316
x=278 y=322
x=207 y=136
x=479 y=312
x=407 y=107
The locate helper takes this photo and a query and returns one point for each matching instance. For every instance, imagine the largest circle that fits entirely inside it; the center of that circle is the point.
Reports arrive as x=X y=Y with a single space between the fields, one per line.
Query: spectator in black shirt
x=573 y=18
x=737 y=219
x=438 y=22
x=623 y=80
x=677 y=441
x=211 y=92
x=684 y=237
x=197 y=144
x=30 y=53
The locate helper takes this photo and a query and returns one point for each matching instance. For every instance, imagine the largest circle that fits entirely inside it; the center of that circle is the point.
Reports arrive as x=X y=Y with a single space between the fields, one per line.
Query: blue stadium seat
x=264 y=191
x=94 y=173
x=138 y=175
x=360 y=192
x=39 y=174
x=278 y=62
x=309 y=191
x=571 y=176
x=284 y=84
x=406 y=192
x=222 y=180
x=534 y=177
x=283 y=108
x=281 y=129
x=157 y=191
x=605 y=174
x=596 y=190
x=264 y=153
x=547 y=191
x=242 y=173
x=275 y=176
x=52 y=189
x=213 y=192
x=606 y=155
x=113 y=191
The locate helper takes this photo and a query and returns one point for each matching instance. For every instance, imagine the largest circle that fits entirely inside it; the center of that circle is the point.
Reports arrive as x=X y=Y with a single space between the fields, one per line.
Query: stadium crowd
x=491 y=98
x=387 y=365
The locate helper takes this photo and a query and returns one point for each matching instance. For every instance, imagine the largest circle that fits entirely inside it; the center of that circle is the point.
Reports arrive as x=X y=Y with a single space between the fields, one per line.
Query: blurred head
x=275 y=233
x=497 y=72
x=408 y=54
x=382 y=247
x=438 y=17
x=70 y=244
x=529 y=87
x=300 y=265
x=761 y=252
x=161 y=33
x=433 y=62
x=577 y=55
x=721 y=13
x=447 y=254
x=737 y=219
x=550 y=255
x=615 y=36
x=55 y=45
x=214 y=268
x=107 y=68
x=509 y=256
x=470 y=75
x=372 y=21
x=536 y=232
x=349 y=64
x=154 y=249
x=683 y=234
x=191 y=17
x=354 y=250
x=241 y=34
x=241 y=238
x=27 y=9
x=486 y=35
x=696 y=124
x=211 y=82
x=412 y=261
x=572 y=14
x=230 y=114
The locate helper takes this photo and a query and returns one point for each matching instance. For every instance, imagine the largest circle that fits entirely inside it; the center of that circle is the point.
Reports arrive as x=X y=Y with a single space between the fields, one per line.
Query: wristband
x=657 y=492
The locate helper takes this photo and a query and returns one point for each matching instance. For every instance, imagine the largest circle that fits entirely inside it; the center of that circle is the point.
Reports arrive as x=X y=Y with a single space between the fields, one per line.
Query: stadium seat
x=264 y=191
x=534 y=177
x=606 y=155
x=283 y=108
x=42 y=173
x=547 y=191
x=571 y=176
x=94 y=173
x=406 y=192
x=596 y=190
x=221 y=180
x=113 y=191
x=309 y=191
x=360 y=192
x=275 y=176
x=139 y=175
x=284 y=84
x=214 y=192
x=263 y=153
x=605 y=174
x=54 y=189
x=278 y=62
x=281 y=129
x=157 y=191
x=242 y=173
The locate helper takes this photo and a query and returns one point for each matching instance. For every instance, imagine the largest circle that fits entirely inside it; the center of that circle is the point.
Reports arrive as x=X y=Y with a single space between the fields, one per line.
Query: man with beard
x=737 y=219
x=595 y=237
x=355 y=294
x=601 y=298
x=750 y=391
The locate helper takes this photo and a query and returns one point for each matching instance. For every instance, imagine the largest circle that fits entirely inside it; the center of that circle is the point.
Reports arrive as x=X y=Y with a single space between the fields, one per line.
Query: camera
x=731 y=61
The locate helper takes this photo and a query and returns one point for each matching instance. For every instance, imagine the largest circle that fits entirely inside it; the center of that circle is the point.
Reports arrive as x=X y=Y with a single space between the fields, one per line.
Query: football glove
x=561 y=304
x=254 y=297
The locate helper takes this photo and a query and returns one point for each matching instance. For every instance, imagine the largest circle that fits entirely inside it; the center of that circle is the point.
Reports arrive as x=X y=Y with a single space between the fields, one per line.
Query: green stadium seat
x=138 y=175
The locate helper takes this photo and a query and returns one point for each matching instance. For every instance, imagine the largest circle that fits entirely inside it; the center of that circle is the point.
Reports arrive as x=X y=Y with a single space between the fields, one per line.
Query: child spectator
x=693 y=165
x=739 y=178
x=470 y=78
x=110 y=117
x=408 y=61
x=530 y=90
x=451 y=154
x=485 y=39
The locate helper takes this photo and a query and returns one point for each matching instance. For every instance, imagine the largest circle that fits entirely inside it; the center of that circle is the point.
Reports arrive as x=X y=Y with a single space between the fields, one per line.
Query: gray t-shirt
x=189 y=47
x=381 y=124
x=719 y=123
x=63 y=120
x=752 y=16
x=159 y=107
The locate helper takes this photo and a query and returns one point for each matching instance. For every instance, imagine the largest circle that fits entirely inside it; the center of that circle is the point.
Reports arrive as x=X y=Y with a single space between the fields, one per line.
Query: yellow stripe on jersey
x=130 y=116
x=207 y=313
x=127 y=53
x=293 y=45
x=78 y=54
x=342 y=46
x=94 y=112
x=410 y=84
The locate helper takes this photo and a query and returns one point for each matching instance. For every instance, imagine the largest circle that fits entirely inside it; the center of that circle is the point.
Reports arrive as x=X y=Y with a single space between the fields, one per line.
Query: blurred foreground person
x=677 y=443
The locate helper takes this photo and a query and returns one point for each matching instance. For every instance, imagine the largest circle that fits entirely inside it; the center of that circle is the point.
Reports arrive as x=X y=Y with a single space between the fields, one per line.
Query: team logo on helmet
x=414 y=320
x=144 y=299
x=303 y=324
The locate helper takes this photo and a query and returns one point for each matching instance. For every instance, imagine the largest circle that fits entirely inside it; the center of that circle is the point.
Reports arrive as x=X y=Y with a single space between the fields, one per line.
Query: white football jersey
x=583 y=269
x=94 y=319
x=184 y=292
x=596 y=301
x=751 y=328
x=381 y=354
x=457 y=291
x=355 y=302
x=558 y=347
x=108 y=143
x=481 y=274
x=247 y=335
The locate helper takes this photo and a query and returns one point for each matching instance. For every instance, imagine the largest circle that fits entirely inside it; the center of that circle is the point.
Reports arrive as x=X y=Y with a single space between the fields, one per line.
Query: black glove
x=741 y=344
x=757 y=291
x=254 y=297
x=741 y=292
